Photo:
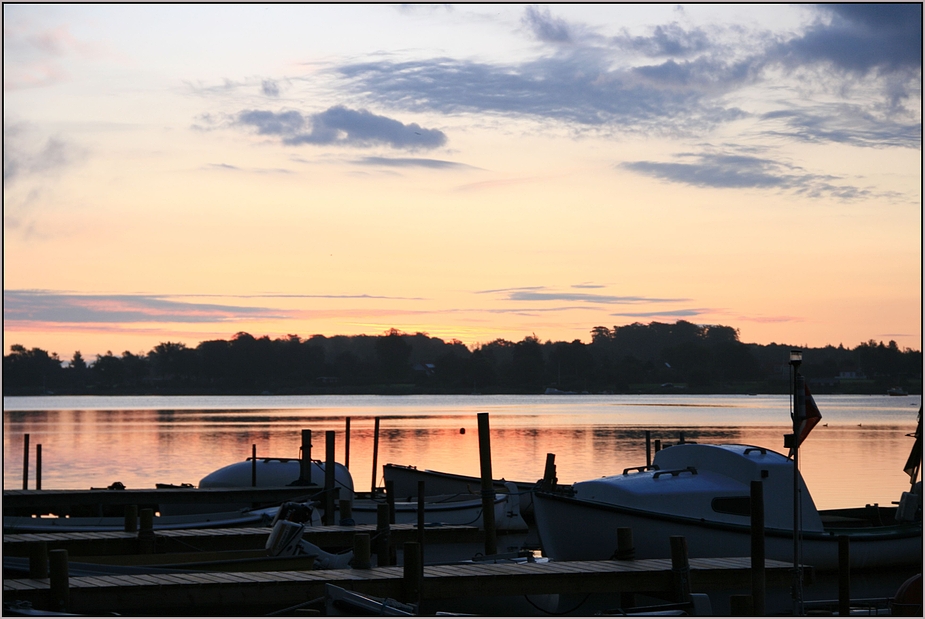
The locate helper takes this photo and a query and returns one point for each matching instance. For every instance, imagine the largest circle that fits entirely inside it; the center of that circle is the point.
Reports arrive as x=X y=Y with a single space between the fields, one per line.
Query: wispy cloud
x=26 y=152
x=540 y=293
x=545 y=27
x=411 y=162
x=680 y=313
x=339 y=125
x=739 y=171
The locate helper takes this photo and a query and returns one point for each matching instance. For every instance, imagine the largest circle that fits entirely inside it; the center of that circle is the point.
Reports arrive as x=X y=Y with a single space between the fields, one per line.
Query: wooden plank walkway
x=248 y=592
x=19 y=500
x=243 y=538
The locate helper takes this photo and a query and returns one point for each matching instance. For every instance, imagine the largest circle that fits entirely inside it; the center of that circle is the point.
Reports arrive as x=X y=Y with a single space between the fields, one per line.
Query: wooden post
x=549 y=473
x=488 y=489
x=390 y=499
x=382 y=535
x=680 y=568
x=59 y=585
x=413 y=574
x=756 y=504
x=131 y=518
x=625 y=551
x=741 y=605
x=38 y=560
x=305 y=464
x=681 y=437
x=25 y=461
x=372 y=486
x=346 y=513
x=844 y=576
x=329 y=470
x=38 y=466
x=361 y=559
x=347 y=444
x=658 y=445
x=146 y=538
x=254 y=465
x=421 y=518
x=648 y=448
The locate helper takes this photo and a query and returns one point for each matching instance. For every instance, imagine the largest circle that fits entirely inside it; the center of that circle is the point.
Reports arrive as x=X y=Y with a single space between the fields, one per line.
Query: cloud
x=845 y=124
x=668 y=40
x=56 y=307
x=233 y=168
x=339 y=125
x=681 y=313
x=861 y=37
x=545 y=27
x=408 y=162
x=736 y=171
x=540 y=293
x=270 y=88
x=26 y=153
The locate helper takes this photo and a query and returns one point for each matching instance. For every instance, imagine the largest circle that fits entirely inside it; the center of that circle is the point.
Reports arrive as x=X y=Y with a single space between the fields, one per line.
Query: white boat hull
x=869 y=548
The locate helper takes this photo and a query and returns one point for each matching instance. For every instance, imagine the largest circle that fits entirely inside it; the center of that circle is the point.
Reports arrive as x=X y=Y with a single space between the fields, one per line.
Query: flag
x=915 y=456
x=810 y=420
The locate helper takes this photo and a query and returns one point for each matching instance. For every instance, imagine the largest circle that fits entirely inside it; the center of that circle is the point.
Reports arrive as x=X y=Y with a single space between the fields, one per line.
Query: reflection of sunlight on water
x=844 y=464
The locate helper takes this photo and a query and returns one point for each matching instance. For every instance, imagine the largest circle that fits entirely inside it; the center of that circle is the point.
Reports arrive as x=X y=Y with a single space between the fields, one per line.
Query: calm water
x=93 y=441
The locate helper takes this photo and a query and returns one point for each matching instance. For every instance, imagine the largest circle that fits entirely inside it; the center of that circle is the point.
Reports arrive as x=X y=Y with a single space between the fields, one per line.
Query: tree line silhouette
x=637 y=358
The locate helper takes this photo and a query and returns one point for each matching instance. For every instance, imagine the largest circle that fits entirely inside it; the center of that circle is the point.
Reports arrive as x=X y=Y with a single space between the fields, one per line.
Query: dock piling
x=421 y=518
x=146 y=538
x=59 y=585
x=346 y=513
x=626 y=551
x=305 y=463
x=756 y=504
x=25 y=461
x=390 y=499
x=38 y=560
x=658 y=445
x=648 y=448
x=329 y=499
x=844 y=576
x=347 y=444
x=372 y=486
x=361 y=558
x=131 y=518
x=549 y=473
x=412 y=574
x=680 y=568
x=488 y=490
x=254 y=465
x=38 y=466
x=382 y=535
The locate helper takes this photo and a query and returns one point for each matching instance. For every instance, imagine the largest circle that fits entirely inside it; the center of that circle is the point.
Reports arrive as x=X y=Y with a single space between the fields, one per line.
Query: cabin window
x=736 y=505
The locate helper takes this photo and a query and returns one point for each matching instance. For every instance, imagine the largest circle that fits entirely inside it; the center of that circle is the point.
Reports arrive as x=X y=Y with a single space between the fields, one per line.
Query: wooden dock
x=211 y=540
x=246 y=593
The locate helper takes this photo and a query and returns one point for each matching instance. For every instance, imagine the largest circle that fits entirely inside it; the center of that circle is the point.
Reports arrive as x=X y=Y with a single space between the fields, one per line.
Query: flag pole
x=799 y=407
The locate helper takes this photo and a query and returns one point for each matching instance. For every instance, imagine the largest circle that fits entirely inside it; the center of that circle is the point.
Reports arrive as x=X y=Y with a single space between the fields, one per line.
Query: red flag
x=810 y=420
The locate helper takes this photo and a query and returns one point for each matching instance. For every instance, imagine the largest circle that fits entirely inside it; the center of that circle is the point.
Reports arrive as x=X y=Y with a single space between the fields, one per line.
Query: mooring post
x=347 y=444
x=59 y=585
x=844 y=576
x=254 y=465
x=681 y=437
x=25 y=461
x=412 y=574
x=390 y=499
x=549 y=473
x=329 y=498
x=658 y=445
x=421 y=518
x=372 y=486
x=131 y=518
x=759 y=585
x=680 y=568
x=38 y=560
x=38 y=466
x=305 y=464
x=146 y=538
x=382 y=535
x=626 y=551
x=648 y=448
x=346 y=513
x=361 y=558
x=488 y=490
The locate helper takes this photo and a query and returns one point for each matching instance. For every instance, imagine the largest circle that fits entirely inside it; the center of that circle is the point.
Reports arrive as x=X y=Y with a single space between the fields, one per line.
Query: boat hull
x=871 y=547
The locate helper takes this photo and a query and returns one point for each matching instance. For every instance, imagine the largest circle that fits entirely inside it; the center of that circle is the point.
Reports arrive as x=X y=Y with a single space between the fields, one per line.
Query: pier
x=225 y=593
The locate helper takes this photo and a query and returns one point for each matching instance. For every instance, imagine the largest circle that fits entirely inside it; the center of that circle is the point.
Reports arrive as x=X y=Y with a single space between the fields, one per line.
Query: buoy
x=462 y=430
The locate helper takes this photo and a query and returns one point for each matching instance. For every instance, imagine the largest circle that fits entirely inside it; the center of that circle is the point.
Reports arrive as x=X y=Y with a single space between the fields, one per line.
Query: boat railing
x=763 y=451
x=675 y=472
x=644 y=467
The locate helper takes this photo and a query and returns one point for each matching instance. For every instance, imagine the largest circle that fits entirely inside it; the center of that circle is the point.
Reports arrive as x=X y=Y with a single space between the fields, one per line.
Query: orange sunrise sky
x=184 y=172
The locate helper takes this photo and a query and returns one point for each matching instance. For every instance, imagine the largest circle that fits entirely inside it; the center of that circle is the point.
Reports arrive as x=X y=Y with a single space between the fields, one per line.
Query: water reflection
x=843 y=462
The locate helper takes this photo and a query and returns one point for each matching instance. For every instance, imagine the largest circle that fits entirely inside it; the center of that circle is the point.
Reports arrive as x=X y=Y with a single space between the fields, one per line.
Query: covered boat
x=702 y=492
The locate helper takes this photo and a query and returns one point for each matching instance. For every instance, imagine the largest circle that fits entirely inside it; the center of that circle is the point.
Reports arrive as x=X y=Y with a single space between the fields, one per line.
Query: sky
x=182 y=173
